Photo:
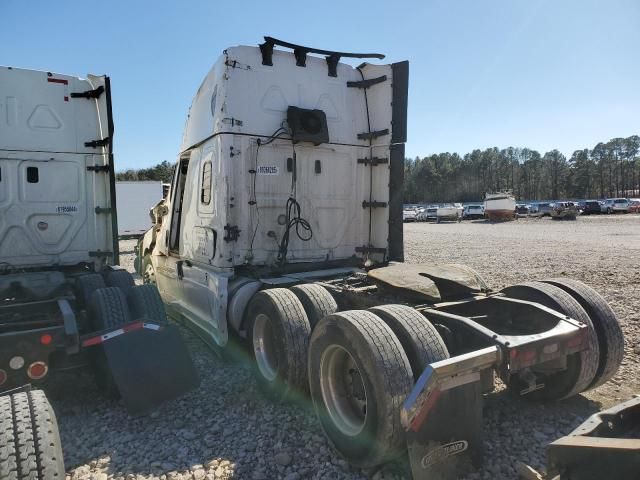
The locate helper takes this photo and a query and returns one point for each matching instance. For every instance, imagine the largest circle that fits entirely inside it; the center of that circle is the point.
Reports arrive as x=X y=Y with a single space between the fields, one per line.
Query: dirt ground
x=227 y=429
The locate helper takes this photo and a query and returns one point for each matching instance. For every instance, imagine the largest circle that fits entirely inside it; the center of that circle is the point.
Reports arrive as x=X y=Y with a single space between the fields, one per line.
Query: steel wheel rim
x=343 y=391
x=264 y=347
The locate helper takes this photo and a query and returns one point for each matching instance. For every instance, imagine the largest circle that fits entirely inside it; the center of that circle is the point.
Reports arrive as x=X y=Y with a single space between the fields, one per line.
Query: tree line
x=610 y=169
x=160 y=172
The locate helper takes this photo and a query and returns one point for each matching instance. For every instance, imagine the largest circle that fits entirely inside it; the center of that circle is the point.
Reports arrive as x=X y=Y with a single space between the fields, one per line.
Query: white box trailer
x=135 y=199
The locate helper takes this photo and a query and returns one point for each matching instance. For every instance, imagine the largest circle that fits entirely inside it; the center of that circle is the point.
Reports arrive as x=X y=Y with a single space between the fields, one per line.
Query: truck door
x=204 y=290
x=169 y=272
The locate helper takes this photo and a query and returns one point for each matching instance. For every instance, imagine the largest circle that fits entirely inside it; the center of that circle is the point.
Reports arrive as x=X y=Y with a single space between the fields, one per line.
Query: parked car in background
x=522 y=210
x=431 y=213
x=472 y=211
x=616 y=205
x=564 y=211
x=634 y=205
x=544 y=209
x=533 y=210
x=449 y=211
x=409 y=215
x=590 y=207
x=421 y=216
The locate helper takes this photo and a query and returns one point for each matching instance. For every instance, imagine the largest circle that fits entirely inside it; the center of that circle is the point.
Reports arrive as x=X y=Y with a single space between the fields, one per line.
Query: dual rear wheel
x=110 y=301
x=589 y=368
x=357 y=366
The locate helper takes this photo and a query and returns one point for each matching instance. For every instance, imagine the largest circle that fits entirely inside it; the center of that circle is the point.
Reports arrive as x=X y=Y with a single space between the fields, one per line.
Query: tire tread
x=605 y=323
x=316 y=300
x=419 y=338
x=30 y=446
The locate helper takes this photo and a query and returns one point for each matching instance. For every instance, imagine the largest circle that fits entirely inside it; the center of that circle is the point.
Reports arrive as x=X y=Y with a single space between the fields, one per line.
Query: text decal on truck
x=66 y=209
x=268 y=170
x=442 y=452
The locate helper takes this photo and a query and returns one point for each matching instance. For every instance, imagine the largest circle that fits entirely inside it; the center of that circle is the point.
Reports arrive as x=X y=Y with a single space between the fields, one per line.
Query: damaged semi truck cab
x=282 y=167
x=284 y=225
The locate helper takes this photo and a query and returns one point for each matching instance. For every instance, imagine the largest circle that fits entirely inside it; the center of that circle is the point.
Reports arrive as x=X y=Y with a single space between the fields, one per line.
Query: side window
x=205 y=187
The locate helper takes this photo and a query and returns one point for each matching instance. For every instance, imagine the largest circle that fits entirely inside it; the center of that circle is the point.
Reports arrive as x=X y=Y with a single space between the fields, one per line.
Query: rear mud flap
x=449 y=442
x=443 y=416
x=150 y=367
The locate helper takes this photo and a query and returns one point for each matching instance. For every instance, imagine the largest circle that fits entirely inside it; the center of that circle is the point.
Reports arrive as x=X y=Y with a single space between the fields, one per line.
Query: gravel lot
x=226 y=429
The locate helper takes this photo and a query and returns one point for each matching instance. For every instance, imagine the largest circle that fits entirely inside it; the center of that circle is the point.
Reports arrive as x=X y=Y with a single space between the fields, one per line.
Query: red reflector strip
x=58 y=80
x=89 y=342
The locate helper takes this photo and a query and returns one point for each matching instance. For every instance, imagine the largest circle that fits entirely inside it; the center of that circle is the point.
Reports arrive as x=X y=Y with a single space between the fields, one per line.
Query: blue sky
x=538 y=73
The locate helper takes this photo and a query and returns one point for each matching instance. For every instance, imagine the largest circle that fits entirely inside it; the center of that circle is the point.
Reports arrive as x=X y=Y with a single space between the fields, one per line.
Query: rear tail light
x=3 y=376
x=37 y=370
x=45 y=339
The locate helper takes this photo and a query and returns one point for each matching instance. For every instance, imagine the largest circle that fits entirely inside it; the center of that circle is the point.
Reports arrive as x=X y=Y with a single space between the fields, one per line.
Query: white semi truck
x=283 y=228
x=64 y=302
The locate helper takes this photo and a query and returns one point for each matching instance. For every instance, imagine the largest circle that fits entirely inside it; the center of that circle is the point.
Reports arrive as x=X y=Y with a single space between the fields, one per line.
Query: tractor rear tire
x=359 y=377
x=86 y=285
x=419 y=338
x=30 y=447
x=279 y=331
x=120 y=278
x=581 y=366
x=107 y=309
x=145 y=302
x=605 y=323
x=316 y=300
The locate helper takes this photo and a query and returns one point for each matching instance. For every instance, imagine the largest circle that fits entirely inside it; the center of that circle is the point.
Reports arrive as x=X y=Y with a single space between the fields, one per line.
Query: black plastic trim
x=301 y=52
x=373 y=204
x=373 y=135
x=112 y=175
x=373 y=161
x=396 y=181
x=400 y=95
x=89 y=94
x=366 y=83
